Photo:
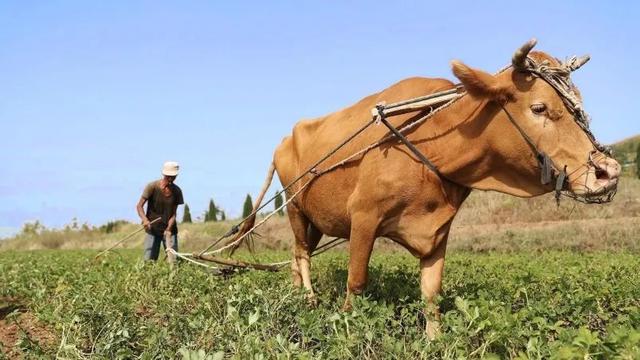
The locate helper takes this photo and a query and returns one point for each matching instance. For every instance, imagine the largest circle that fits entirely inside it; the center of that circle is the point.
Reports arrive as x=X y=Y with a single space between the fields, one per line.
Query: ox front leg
x=431 y=268
x=360 y=246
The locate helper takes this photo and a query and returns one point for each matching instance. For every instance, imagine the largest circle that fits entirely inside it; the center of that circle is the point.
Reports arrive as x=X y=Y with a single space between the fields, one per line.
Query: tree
x=278 y=203
x=638 y=161
x=248 y=206
x=212 y=213
x=186 y=218
x=223 y=216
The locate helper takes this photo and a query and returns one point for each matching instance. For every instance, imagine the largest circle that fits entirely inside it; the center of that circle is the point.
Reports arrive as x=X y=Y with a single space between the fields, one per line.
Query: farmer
x=162 y=198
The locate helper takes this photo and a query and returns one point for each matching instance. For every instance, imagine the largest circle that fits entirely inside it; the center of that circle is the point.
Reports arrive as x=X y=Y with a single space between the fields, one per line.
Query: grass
x=527 y=305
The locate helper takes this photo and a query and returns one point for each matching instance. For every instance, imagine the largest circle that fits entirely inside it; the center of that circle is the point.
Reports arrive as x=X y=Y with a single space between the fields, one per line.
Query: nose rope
x=549 y=171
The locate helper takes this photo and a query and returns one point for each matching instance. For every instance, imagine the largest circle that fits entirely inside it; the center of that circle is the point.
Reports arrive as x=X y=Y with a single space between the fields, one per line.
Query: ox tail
x=251 y=219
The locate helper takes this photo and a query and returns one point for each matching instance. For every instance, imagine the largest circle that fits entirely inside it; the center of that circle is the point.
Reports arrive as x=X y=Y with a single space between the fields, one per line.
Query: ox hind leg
x=306 y=238
x=431 y=269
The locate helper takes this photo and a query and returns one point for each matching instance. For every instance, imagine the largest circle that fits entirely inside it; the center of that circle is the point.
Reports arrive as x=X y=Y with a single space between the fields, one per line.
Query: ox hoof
x=433 y=329
x=312 y=300
x=346 y=307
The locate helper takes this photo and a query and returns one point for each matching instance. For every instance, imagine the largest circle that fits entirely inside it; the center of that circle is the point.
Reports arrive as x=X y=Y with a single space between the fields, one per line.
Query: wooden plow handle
x=125 y=238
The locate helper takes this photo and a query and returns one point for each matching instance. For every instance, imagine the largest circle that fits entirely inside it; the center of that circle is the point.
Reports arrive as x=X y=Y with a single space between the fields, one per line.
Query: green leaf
x=253 y=318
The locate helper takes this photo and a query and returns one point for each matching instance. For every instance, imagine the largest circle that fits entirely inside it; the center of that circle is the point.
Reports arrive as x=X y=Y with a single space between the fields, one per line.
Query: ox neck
x=457 y=141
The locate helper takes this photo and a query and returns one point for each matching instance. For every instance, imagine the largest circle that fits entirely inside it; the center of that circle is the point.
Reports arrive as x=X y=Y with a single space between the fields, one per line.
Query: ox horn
x=577 y=64
x=519 y=59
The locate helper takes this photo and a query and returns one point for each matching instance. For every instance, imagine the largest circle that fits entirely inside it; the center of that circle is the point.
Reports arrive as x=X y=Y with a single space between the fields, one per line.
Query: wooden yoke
x=419 y=103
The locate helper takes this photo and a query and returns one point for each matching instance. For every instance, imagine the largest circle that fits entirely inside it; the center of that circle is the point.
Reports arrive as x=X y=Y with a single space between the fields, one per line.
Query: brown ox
x=389 y=193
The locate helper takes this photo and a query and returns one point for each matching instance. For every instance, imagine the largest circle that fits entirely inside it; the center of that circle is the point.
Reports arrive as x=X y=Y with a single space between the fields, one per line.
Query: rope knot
x=378 y=112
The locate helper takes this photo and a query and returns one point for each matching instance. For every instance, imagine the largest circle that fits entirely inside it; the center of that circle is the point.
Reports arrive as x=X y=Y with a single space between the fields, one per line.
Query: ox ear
x=481 y=84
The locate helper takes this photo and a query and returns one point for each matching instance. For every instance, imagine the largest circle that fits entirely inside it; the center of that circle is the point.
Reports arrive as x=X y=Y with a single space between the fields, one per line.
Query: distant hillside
x=625 y=152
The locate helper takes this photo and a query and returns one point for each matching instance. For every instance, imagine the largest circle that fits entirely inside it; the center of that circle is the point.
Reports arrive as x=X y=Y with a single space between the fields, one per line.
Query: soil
x=18 y=326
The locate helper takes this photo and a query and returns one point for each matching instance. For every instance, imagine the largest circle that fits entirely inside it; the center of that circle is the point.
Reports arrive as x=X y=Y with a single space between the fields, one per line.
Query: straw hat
x=170 y=168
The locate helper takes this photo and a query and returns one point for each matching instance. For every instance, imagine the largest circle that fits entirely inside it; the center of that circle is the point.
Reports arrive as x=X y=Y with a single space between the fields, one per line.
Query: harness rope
x=271 y=266
x=447 y=97
x=316 y=173
x=238 y=240
x=439 y=97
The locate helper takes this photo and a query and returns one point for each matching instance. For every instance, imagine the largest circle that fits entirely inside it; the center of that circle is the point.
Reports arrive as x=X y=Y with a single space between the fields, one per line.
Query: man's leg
x=151 y=247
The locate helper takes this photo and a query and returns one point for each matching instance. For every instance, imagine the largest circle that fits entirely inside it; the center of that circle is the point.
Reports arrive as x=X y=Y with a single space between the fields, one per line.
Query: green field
x=523 y=278
x=555 y=304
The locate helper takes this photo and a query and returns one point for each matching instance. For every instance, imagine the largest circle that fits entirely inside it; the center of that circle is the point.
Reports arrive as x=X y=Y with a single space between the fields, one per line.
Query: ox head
x=536 y=132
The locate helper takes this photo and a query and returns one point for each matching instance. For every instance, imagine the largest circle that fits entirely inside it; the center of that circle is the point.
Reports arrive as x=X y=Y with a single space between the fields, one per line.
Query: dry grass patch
x=486 y=221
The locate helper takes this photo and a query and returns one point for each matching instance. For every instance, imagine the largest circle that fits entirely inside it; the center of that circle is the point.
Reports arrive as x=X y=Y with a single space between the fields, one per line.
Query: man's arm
x=143 y=216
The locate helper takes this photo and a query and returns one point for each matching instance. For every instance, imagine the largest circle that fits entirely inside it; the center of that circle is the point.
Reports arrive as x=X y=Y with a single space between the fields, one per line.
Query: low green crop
x=544 y=305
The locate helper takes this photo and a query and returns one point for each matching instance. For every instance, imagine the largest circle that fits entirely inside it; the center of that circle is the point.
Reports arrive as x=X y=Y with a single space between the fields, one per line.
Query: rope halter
x=559 y=78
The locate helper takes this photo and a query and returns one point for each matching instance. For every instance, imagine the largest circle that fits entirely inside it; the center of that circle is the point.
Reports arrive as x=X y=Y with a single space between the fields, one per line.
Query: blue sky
x=95 y=95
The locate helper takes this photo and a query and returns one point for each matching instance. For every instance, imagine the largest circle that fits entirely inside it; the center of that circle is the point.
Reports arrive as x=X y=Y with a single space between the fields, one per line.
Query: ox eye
x=538 y=108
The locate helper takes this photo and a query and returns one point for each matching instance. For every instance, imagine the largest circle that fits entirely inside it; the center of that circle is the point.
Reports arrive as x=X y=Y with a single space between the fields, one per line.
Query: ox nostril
x=602 y=174
x=607 y=170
